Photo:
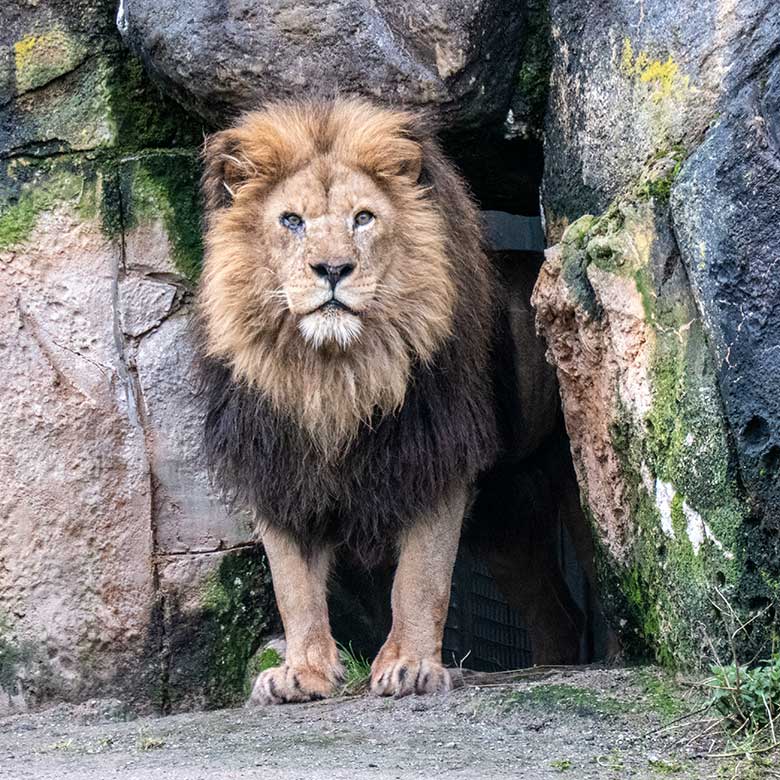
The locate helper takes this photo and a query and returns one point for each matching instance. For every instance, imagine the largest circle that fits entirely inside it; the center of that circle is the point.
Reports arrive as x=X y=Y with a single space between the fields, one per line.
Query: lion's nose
x=333 y=272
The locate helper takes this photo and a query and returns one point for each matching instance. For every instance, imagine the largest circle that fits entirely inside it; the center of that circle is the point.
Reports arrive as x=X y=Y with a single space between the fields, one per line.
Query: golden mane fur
x=405 y=276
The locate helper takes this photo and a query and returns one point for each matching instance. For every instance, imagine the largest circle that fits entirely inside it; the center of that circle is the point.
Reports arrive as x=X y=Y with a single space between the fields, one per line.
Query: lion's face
x=328 y=234
x=326 y=270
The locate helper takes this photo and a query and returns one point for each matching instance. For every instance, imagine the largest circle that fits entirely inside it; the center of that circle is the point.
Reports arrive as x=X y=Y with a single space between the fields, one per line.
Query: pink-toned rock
x=598 y=360
x=75 y=506
x=189 y=516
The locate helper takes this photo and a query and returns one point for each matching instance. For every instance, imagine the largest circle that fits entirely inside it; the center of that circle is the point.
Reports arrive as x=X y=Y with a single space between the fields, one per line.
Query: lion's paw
x=288 y=684
x=405 y=675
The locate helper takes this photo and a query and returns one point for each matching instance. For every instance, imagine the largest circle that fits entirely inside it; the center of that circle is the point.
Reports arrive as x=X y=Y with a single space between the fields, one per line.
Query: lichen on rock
x=649 y=437
x=163 y=185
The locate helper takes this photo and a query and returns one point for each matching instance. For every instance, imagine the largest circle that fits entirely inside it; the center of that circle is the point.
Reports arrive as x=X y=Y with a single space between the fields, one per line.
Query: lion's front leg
x=312 y=668
x=410 y=659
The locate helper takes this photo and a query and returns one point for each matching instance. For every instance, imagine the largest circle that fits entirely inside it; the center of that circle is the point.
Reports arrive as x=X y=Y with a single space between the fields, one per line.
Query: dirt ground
x=583 y=724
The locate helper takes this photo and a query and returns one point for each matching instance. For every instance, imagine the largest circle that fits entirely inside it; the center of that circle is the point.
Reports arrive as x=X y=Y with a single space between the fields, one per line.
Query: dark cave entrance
x=523 y=589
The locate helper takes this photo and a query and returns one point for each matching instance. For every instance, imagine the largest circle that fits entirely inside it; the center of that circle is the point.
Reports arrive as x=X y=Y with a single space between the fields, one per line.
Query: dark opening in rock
x=756 y=432
x=522 y=590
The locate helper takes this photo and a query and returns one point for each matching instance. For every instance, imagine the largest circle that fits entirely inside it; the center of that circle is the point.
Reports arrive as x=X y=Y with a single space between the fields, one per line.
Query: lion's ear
x=225 y=168
x=411 y=167
x=402 y=158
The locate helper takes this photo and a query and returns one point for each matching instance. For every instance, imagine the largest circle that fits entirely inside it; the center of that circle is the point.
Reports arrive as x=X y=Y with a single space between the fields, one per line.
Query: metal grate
x=482 y=631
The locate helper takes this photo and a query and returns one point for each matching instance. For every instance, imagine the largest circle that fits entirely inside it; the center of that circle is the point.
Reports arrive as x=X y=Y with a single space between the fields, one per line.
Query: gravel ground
x=582 y=724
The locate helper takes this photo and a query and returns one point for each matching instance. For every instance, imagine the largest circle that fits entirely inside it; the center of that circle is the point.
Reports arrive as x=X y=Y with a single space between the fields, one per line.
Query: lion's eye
x=292 y=221
x=363 y=218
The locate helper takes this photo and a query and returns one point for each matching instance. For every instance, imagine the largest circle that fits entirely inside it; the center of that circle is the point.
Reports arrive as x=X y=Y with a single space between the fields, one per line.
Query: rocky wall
x=660 y=306
x=120 y=571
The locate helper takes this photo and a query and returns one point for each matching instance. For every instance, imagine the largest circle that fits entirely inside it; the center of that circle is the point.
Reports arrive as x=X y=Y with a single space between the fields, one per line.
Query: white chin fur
x=320 y=327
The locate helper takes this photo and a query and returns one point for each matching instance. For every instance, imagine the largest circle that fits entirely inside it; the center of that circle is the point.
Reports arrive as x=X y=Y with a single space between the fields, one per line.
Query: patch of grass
x=147 y=741
x=357 y=671
x=665 y=767
x=661 y=692
x=744 y=697
x=584 y=701
x=748 y=697
x=561 y=764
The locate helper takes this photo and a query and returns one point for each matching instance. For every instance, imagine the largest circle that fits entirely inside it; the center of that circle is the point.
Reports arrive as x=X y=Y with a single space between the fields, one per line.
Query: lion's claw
x=287 y=684
x=405 y=676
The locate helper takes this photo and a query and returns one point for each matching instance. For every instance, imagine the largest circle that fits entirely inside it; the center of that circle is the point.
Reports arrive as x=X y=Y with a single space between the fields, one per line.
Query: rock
x=99 y=244
x=144 y=304
x=638 y=80
x=726 y=209
x=650 y=441
x=75 y=578
x=663 y=321
x=217 y=608
x=67 y=85
x=459 y=57
x=188 y=514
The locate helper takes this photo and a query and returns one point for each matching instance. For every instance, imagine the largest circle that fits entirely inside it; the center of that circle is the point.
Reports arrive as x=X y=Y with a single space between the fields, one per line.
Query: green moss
x=661 y=188
x=687 y=511
x=142 y=116
x=660 y=174
x=269 y=659
x=12 y=655
x=574 y=260
x=264 y=658
x=583 y=701
x=661 y=692
x=33 y=187
x=17 y=221
x=237 y=602
x=664 y=768
x=164 y=185
x=533 y=78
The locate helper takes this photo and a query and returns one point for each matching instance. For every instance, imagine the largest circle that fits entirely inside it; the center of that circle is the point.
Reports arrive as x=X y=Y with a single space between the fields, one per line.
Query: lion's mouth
x=334 y=304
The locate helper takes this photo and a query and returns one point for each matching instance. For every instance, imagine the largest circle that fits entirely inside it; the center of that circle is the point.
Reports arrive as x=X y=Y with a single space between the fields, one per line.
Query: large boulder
x=76 y=588
x=633 y=80
x=218 y=59
x=661 y=310
x=726 y=208
x=650 y=444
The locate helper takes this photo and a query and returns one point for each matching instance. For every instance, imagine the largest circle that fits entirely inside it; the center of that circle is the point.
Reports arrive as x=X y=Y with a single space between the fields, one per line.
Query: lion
x=346 y=311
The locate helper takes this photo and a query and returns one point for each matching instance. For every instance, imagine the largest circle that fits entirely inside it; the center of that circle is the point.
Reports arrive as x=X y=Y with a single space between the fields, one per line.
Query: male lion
x=346 y=310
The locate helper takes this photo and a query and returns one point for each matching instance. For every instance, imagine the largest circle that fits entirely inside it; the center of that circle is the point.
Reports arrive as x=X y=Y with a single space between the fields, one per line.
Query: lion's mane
x=401 y=458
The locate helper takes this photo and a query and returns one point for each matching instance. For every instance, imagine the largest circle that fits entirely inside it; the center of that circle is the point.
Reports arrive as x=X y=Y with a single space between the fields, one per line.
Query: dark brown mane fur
x=397 y=464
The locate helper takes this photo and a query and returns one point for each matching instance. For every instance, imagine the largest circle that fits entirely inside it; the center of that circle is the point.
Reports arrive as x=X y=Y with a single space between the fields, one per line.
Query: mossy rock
x=691 y=549
x=164 y=185
x=30 y=187
x=238 y=613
